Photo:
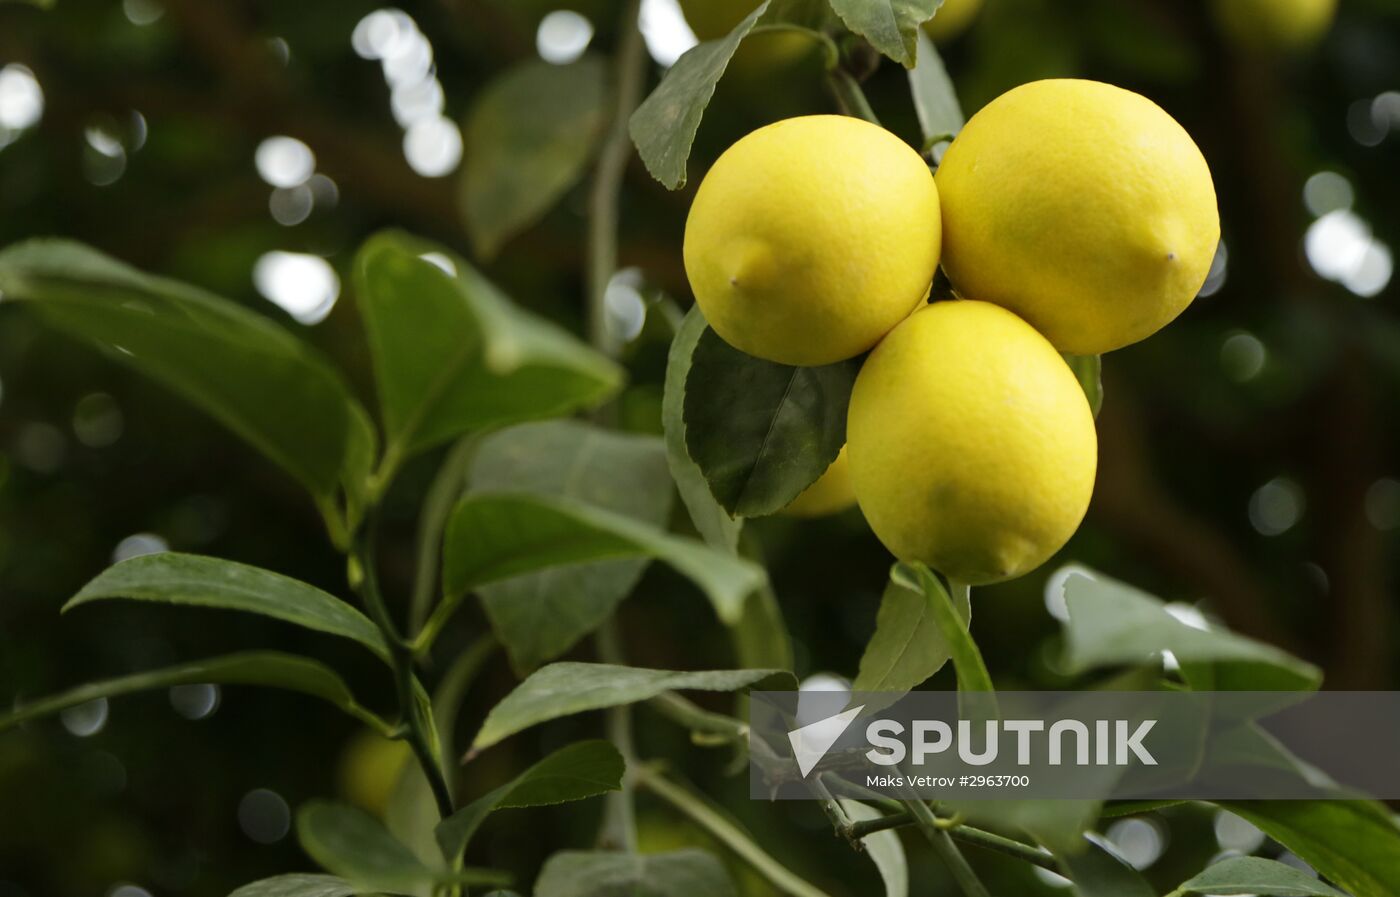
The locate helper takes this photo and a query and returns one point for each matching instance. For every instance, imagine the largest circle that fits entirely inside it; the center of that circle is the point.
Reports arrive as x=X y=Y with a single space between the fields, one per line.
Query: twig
x=947 y=851
x=619 y=820
x=607 y=179
x=364 y=577
x=714 y=822
x=619 y=829
x=965 y=833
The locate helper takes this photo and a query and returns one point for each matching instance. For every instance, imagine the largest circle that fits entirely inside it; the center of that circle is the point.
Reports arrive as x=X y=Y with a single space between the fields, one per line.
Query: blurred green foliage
x=1278 y=374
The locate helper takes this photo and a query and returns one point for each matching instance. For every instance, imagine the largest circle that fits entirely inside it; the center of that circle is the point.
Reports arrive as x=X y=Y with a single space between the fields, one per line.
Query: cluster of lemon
x=1070 y=217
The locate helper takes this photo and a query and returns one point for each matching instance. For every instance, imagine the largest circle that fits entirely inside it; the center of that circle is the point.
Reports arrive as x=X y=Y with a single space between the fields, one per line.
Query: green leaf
x=1088 y=370
x=1098 y=873
x=495 y=537
x=891 y=26
x=452 y=354
x=973 y=677
x=885 y=850
x=935 y=101
x=354 y=845
x=762 y=432
x=196 y=581
x=1254 y=875
x=563 y=689
x=541 y=615
x=298 y=884
x=1353 y=843
x=603 y=873
x=267 y=668
x=250 y=374
x=664 y=125
x=579 y=771
x=713 y=522
x=1111 y=624
x=908 y=646
x=527 y=139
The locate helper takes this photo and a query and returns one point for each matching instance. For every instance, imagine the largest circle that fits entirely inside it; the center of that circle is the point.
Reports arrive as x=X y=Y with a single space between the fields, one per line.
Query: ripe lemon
x=831 y=492
x=952 y=19
x=972 y=445
x=1275 y=24
x=369 y=770
x=1082 y=207
x=811 y=238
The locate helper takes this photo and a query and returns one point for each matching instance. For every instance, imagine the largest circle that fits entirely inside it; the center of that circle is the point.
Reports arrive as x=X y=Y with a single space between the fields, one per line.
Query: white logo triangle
x=811 y=742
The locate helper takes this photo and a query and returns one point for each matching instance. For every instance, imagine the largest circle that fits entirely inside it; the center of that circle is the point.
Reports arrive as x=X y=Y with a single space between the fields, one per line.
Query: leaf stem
x=437 y=507
x=607 y=179
x=964 y=833
x=619 y=829
x=619 y=819
x=705 y=726
x=714 y=822
x=947 y=851
x=364 y=577
x=849 y=95
x=967 y=660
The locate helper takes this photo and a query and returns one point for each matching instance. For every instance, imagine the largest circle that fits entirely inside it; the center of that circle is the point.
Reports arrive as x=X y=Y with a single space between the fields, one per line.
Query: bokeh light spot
x=305 y=286
x=1234 y=833
x=562 y=37
x=86 y=719
x=284 y=161
x=135 y=546
x=195 y=701
x=1276 y=507
x=1243 y=356
x=264 y=816
x=665 y=31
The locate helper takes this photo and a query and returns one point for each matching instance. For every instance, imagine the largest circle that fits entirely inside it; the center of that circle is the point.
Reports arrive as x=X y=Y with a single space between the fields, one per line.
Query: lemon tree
x=895 y=340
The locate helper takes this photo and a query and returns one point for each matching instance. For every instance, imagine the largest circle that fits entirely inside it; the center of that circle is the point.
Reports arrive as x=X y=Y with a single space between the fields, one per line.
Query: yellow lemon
x=369 y=770
x=972 y=445
x=952 y=19
x=1275 y=24
x=811 y=238
x=1082 y=207
x=831 y=492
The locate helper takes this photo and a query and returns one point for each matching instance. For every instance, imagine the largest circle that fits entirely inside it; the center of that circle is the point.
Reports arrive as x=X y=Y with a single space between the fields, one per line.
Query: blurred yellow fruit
x=831 y=492
x=713 y=19
x=369 y=770
x=811 y=238
x=952 y=19
x=1275 y=24
x=972 y=445
x=1082 y=207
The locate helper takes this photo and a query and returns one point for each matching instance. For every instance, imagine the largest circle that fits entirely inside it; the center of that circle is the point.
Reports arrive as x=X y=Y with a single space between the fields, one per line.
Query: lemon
x=811 y=238
x=952 y=19
x=972 y=445
x=713 y=19
x=369 y=770
x=1275 y=24
x=831 y=492
x=1082 y=207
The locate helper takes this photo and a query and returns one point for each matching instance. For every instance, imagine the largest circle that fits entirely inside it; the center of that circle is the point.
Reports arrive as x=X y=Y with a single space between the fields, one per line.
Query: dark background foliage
x=1247 y=452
